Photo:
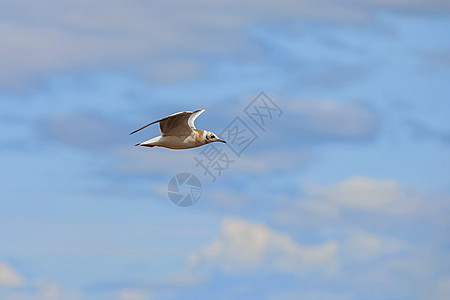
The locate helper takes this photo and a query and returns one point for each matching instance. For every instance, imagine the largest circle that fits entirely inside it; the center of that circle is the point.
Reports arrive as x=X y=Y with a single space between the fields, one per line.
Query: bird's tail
x=145 y=145
x=149 y=143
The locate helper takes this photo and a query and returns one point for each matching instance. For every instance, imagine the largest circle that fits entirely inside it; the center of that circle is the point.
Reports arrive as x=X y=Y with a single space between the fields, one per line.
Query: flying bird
x=178 y=132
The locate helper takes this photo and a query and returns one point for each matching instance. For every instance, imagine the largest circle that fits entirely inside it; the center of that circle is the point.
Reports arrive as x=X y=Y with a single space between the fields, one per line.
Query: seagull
x=178 y=132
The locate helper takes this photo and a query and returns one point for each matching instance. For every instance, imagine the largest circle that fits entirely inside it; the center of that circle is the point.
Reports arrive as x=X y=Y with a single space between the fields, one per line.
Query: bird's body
x=195 y=139
x=178 y=132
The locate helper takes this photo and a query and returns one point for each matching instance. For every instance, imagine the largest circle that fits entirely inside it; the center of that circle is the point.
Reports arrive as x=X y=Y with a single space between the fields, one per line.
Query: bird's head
x=212 y=137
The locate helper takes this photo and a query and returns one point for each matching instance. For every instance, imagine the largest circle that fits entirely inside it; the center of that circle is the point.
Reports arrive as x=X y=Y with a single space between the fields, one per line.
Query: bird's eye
x=213 y=136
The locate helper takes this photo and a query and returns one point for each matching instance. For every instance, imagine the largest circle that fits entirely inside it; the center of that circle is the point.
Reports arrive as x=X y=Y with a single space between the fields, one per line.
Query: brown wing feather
x=145 y=126
x=176 y=124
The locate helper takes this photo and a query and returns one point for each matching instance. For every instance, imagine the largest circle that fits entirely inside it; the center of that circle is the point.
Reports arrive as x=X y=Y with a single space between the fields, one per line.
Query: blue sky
x=345 y=195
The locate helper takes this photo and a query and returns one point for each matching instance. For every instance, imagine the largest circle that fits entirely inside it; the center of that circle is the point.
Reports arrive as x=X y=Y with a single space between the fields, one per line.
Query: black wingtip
x=138 y=144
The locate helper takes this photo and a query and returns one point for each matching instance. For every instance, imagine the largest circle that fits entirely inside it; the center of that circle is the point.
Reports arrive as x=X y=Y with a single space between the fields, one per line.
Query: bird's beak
x=219 y=140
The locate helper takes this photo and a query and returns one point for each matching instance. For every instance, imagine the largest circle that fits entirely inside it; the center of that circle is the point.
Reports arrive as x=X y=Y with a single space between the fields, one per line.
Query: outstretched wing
x=181 y=123
x=194 y=116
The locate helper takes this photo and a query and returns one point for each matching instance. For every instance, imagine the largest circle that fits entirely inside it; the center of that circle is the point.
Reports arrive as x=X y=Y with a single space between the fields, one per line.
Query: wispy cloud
x=367 y=194
x=312 y=122
x=442 y=289
x=134 y=294
x=245 y=246
x=83 y=130
x=15 y=286
x=83 y=36
x=363 y=196
x=9 y=276
x=422 y=130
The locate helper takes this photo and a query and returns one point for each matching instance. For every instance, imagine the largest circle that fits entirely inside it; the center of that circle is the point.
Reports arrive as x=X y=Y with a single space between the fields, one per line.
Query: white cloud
x=53 y=291
x=39 y=39
x=141 y=160
x=83 y=130
x=249 y=247
x=442 y=290
x=134 y=294
x=370 y=198
x=362 y=245
x=40 y=290
x=74 y=34
x=385 y=234
x=168 y=71
x=246 y=246
x=432 y=5
x=317 y=120
x=366 y=194
x=326 y=204
x=9 y=276
x=310 y=295
x=262 y=162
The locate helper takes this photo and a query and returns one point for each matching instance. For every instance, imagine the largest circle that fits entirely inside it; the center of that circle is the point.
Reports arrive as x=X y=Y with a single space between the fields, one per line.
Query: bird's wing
x=181 y=123
x=194 y=116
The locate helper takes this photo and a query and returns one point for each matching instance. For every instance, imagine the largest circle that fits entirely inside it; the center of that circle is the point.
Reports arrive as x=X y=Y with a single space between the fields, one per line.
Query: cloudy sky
x=342 y=193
